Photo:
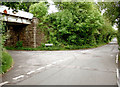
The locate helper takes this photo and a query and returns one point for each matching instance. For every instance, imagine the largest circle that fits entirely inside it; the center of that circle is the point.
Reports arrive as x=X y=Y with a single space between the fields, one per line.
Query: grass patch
x=6 y=62
x=69 y=47
x=119 y=61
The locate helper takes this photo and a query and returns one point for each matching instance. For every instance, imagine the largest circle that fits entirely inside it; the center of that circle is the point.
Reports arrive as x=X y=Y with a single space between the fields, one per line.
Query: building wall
x=30 y=35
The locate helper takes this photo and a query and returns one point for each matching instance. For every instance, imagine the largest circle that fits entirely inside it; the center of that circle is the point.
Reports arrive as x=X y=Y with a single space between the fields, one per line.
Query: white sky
x=52 y=7
x=115 y=27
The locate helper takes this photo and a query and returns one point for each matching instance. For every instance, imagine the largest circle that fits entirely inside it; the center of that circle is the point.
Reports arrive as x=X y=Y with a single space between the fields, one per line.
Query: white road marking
x=117 y=58
x=54 y=62
x=21 y=76
x=4 y=83
x=49 y=65
x=86 y=68
x=83 y=51
x=117 y=73
x=40 y=68
x=118 y=78
x=118 y=82
x=30 y=72
x=61 y=60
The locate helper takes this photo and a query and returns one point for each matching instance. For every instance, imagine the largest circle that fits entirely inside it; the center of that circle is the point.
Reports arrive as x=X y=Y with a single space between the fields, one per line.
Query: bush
x=76 y=24
x=118 y=37
x=19 y=44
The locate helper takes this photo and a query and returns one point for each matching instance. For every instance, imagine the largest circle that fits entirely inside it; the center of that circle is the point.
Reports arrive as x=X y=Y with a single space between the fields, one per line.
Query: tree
x=38 y=9
x=111 y=10
x=19 y=5
x=78 y=23
x=112 y=13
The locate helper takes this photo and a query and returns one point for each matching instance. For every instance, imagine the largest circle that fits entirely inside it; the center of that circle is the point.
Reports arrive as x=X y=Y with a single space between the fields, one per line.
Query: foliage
x=2 y=37
x=119 y=25
x=2 y=33
x=19 y=44
x=38 y=10
x=111 y=10
x=78 y=23
x=68 y=47
x=6 y=62
x=13 y=5
x=19 y=5
x=112 y=13
x=5 y=58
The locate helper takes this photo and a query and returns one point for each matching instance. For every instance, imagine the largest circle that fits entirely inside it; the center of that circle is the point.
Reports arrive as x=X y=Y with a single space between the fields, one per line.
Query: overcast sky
x=52 y=7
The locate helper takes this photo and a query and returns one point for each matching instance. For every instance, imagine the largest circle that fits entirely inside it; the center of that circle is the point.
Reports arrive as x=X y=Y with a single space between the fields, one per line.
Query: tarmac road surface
x=95 y=66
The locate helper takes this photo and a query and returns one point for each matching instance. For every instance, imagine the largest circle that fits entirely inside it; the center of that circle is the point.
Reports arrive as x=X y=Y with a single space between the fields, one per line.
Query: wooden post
x=34 y=31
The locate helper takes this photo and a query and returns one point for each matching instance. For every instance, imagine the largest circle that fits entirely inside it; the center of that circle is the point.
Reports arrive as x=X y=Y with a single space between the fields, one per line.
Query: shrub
x=19 y=44
x=78 y=24
x=118 y=37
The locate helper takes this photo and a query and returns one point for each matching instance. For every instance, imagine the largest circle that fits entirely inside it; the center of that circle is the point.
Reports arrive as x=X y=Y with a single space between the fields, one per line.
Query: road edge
x=117 y=70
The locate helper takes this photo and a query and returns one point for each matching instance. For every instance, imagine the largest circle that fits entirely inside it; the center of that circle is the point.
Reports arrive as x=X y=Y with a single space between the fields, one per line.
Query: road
x=74 y=67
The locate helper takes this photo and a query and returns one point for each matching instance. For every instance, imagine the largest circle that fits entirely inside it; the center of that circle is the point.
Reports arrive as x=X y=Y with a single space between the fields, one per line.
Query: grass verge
x=6 y=62
x=70 y=47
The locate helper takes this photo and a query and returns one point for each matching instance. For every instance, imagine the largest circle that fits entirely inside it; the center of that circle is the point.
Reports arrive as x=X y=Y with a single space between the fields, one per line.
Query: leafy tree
x=19 y=5
x=111 y=10
x=39 y=9
x=77 y=23
x=112 y=13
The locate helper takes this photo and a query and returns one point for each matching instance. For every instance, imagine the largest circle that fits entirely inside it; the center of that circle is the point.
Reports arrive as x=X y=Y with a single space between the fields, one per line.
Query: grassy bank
x=70 y=47
x=6 y=61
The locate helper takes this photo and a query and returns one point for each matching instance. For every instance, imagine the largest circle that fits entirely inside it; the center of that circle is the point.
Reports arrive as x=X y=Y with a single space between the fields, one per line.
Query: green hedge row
x=78 y=23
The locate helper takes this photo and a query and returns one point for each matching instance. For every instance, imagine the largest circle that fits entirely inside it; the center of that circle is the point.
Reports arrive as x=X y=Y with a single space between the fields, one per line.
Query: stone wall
x=28 y=34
